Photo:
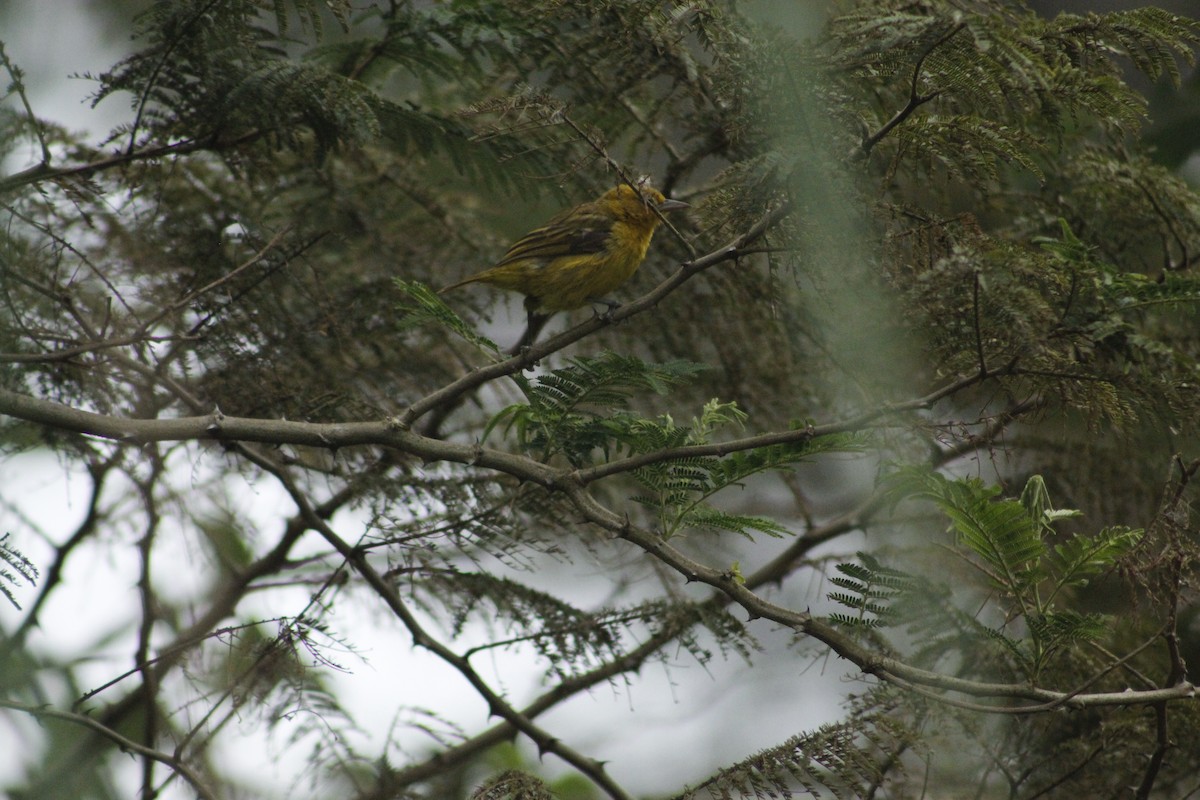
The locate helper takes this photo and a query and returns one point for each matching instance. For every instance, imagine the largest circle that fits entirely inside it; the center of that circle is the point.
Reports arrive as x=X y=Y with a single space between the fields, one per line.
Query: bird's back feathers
x=581 y=254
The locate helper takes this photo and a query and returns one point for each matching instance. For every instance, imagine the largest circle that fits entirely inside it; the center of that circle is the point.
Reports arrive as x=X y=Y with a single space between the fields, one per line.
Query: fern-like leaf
x=870 y=591
x=1153 y=39
x=843 y=760
x=1000 y=532
x=1082 y=557
x=1059 y=629
x=577 y=409
x=680 y=488
x=427 y=306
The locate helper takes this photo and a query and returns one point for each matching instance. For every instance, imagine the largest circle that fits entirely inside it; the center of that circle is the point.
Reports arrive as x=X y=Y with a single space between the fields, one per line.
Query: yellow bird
x=579 y=256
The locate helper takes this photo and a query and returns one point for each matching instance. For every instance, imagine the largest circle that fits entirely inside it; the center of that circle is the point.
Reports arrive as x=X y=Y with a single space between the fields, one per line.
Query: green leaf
x=705 y=516
x=1000 y=532
x=1056 y=630
x=871 y=591
x=578 y=409
x=680 y=487
x=1082 y=557
x=427 y=306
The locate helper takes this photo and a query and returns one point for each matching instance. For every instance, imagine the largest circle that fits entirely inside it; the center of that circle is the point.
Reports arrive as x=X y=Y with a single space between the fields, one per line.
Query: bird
x=579 y=256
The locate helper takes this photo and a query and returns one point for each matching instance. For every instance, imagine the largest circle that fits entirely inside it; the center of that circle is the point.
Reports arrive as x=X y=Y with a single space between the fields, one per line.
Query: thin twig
x=799 y=435
x=43 y=172
x=421 y=638
x=18 y=85
x=603 y=153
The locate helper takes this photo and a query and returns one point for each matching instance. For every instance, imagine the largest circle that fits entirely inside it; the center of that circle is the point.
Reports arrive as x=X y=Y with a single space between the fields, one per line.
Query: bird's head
x=626 y=202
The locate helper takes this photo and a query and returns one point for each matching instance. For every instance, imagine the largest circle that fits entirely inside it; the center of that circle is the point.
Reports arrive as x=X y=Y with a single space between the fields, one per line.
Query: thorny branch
x=421 y=638
x=174 y=763
x=217 y=426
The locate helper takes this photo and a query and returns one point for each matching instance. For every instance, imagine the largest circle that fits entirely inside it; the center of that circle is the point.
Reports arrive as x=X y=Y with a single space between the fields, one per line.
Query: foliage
x=846 y=760
x=1010 y=543
x=679 y=488
x=575 y=409
x=22 y=570
x=426 y=306
x=930 y=257
x=869 y=590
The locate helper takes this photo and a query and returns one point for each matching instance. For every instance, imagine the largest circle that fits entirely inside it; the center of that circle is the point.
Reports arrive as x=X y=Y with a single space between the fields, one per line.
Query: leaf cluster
x=1076 y=329
x=843 y=759
x=581 y=407
x=1008 y=85
x=1026 y=564
x=679 y=490
x=569 y=639
x=869 y=589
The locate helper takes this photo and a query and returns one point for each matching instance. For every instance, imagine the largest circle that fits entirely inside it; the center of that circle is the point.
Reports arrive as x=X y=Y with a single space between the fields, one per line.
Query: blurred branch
x=18 y=86
x=87 y=526
x=174 y=762
x=44 y=172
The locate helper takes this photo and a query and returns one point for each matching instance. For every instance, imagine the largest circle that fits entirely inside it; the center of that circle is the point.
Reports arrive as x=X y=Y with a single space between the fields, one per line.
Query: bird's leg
x=535 y=321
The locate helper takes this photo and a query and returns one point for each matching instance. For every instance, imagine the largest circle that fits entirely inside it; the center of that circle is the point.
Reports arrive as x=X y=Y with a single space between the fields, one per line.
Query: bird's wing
x=574 y=233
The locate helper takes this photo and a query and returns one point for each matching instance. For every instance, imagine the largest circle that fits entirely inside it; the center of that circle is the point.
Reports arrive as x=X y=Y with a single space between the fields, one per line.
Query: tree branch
x=915 y=98
x=421 y=638
x=174 y=763
x=859 y=422
x=43 y=172
x=869 y=661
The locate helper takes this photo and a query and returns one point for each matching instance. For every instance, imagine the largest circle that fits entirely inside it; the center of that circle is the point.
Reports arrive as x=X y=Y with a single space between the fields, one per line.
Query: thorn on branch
x=548 y=745
x=214 y=427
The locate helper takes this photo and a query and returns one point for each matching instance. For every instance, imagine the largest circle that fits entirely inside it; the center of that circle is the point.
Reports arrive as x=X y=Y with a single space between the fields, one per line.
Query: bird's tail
x=463 y=282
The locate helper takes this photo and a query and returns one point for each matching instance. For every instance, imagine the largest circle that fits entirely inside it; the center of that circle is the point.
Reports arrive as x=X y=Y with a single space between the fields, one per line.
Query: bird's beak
x=671 y=205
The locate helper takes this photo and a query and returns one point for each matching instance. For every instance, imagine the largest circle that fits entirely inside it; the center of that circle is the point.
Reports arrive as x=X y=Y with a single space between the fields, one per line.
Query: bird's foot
x=521 y=350
x=611 y=306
